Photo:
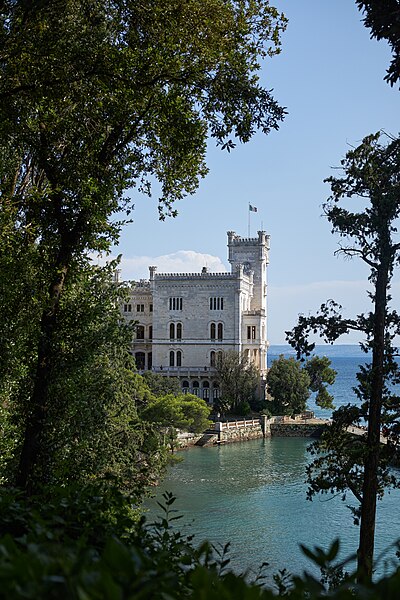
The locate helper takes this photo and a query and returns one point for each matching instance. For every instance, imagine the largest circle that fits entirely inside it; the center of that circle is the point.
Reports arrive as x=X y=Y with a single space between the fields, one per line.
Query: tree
x=93 y=431
x=320 y=374
x=172 y=412
x=383 y=18
x=288 y=383
x=160 y=385
x=99 y=98
x=370 y=179
x=239 y=381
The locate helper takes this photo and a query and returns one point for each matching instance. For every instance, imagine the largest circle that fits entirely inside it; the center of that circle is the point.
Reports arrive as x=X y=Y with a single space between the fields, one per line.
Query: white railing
x=238 y=424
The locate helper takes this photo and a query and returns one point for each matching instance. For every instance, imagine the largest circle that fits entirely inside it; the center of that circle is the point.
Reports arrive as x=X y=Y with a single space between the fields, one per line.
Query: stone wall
x=241 y=434
x=187 y=440
x=296 y=430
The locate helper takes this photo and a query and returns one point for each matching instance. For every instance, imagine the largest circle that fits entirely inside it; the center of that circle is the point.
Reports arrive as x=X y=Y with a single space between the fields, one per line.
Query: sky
x=329 y=76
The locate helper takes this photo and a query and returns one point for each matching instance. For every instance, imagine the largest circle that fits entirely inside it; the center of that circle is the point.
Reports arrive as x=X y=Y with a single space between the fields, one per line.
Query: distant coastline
x=330 y=350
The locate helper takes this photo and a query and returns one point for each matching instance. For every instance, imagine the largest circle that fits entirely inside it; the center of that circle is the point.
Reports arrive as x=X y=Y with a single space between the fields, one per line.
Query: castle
x=185 y=321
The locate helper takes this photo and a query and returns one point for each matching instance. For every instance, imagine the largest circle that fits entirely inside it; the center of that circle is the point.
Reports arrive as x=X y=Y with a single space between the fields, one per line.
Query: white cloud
x=184 y=261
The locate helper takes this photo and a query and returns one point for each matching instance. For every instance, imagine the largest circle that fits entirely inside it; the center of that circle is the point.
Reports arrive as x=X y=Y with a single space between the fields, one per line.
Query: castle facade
x=185 y=321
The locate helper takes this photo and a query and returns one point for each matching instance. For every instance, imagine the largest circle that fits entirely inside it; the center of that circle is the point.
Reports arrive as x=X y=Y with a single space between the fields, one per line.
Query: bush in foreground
x=90 y=545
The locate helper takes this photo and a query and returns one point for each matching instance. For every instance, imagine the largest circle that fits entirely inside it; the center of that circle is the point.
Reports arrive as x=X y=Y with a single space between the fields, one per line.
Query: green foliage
x=160 y=385
x=95 y=101
x=320 y=374
x=383 y=18
x=239 y=381
x=186 y=411
x=371 y=180
x=290 y=383
x=93 y=431
x=148 y=561
x=243 y=409
x=289 y=386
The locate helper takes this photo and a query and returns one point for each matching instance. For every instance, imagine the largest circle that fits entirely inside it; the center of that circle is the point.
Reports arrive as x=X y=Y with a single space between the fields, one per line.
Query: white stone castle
x=186 y=320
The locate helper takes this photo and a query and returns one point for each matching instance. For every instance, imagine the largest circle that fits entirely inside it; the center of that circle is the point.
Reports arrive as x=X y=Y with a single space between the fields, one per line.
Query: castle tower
x=251 y=255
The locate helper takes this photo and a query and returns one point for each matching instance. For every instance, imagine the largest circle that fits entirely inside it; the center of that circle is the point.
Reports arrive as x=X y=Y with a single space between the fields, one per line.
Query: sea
x=253 y=495
x=345 y=359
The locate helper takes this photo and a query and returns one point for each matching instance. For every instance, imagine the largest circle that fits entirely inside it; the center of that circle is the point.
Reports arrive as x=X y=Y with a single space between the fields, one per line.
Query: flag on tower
x=252 y=208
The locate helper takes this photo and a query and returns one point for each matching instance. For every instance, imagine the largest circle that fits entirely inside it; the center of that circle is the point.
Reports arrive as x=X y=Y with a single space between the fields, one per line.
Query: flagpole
x=248 y=230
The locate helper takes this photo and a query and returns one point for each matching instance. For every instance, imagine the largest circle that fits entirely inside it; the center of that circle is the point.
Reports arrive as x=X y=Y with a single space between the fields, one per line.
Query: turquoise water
x=253 y=495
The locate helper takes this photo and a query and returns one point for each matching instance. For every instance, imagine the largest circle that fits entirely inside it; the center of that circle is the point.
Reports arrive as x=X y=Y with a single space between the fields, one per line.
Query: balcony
x=185 y=371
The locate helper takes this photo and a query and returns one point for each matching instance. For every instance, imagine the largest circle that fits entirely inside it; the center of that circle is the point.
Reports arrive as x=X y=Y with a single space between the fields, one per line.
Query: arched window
x=219 y=359
x=139 y=332
x=140 y=358
x=212 y=358
x=196 y=387
x=206 y=390
x=172 y=358
x=172 y=331
x=179 y=358
x=185 y=387
x=149 y=360
x=220 y=331
x=150 y=332
x=179 y=331
x=212 y=331
x=216 y=391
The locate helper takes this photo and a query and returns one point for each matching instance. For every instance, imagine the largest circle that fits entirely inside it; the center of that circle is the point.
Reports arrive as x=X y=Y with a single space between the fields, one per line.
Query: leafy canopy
x=239 y=380
x=290 y=383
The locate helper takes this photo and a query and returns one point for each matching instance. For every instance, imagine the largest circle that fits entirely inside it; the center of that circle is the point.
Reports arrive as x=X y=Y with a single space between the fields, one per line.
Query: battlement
x=192 y=276
x=237 y=240
x=142 y=284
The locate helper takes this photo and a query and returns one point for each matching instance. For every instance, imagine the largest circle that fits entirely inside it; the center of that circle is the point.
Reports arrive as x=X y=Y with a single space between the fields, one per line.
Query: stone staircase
x=209 y=437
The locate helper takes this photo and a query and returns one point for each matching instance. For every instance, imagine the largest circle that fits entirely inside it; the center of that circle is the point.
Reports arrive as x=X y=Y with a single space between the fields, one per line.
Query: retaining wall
x=241 y=434
x=296 y=430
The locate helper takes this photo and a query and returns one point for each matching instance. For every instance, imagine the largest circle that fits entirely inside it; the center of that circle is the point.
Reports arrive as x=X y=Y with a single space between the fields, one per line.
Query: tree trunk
x=371 y=461
x=28 y=476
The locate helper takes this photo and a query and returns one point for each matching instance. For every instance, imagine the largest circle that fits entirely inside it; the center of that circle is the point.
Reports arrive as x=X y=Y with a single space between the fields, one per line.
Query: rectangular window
x=175 y=303
x=217 y=303
x=151 y=308
x=127 y=307
x=139 y=307
x=251 y=332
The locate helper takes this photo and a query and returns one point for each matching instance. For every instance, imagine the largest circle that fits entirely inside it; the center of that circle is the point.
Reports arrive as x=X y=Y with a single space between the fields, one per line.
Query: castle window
x=212 y=358
x=206 y=390
x=139 y=332
x=150 y=332
x=151 y=308
x=172 y=358
x=219 y=359
x=175 y=303
x=212 y=331
x=216 y=391
x=179 y=358
x=172 y=331
x=196 y=387
x=127 y=307
x=220 y=331
x=149 y=360
x=140 y=358
x=216 y=303
x=179 y=331
x=251 y=332
x=139 y=307
x=185 y=387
